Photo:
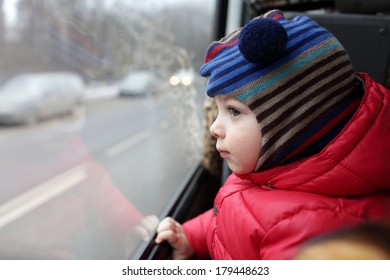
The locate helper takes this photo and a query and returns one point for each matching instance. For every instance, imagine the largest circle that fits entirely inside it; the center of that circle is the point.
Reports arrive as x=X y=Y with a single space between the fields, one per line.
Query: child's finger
x=166 y=224
x=165 y=235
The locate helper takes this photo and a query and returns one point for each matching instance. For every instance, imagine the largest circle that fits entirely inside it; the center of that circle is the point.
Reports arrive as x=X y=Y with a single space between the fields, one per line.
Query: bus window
x=100 y=121
x=238 y=12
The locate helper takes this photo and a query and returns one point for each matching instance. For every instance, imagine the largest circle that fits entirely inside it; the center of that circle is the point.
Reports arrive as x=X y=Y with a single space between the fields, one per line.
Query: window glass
x=100 y=112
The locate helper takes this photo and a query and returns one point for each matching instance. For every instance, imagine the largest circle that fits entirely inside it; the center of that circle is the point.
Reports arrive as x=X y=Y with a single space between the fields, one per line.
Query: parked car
x=28 y=98
x=138 y=83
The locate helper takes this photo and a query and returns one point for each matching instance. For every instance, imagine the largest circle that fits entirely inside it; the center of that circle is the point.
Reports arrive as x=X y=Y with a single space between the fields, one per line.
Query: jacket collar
x=345 y=167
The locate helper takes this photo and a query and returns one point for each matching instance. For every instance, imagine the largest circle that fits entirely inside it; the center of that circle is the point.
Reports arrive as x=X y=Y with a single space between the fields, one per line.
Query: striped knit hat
x=294 y=75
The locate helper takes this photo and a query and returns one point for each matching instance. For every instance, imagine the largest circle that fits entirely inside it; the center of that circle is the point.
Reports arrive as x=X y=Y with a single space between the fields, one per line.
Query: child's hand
x=171 y=231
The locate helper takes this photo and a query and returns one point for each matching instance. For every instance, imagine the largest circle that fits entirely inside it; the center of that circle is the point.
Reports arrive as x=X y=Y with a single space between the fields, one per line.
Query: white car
x=30 y=97
x=138 y=83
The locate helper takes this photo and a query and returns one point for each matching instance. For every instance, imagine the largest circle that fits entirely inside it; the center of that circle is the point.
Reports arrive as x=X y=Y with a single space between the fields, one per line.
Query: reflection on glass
x=90 y=157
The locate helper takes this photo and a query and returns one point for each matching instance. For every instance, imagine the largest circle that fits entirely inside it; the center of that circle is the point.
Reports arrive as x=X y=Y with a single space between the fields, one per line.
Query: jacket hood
x=356 y=162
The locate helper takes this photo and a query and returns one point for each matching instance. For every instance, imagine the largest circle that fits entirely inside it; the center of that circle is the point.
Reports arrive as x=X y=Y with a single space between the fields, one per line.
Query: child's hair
x=364 y=241
x=294 y=75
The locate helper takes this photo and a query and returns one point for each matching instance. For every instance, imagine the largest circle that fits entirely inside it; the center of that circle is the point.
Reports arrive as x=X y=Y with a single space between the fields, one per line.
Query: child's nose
x=216 y=129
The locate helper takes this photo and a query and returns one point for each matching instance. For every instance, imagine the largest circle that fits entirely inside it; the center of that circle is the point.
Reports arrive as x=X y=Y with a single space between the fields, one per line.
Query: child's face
x=238 y=134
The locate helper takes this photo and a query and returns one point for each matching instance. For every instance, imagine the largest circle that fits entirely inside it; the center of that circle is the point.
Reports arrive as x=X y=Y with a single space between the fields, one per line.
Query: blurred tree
x=101 y=41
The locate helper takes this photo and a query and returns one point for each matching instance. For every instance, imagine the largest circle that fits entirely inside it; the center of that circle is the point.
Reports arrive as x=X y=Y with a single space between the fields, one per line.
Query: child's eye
x=234 y=112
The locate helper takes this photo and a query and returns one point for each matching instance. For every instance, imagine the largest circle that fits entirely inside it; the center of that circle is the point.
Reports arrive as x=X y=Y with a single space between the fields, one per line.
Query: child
x=306 y=138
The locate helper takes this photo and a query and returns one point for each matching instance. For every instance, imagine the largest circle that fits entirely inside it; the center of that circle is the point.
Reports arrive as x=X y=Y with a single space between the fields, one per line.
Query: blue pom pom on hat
x=294 y=75
x=262 y=40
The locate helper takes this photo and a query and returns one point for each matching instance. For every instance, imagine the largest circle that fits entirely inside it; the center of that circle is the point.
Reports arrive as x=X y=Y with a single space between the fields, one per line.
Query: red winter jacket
x=268 y=215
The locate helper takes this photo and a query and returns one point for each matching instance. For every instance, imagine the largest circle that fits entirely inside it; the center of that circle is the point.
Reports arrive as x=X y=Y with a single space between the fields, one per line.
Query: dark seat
x=365 y=37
